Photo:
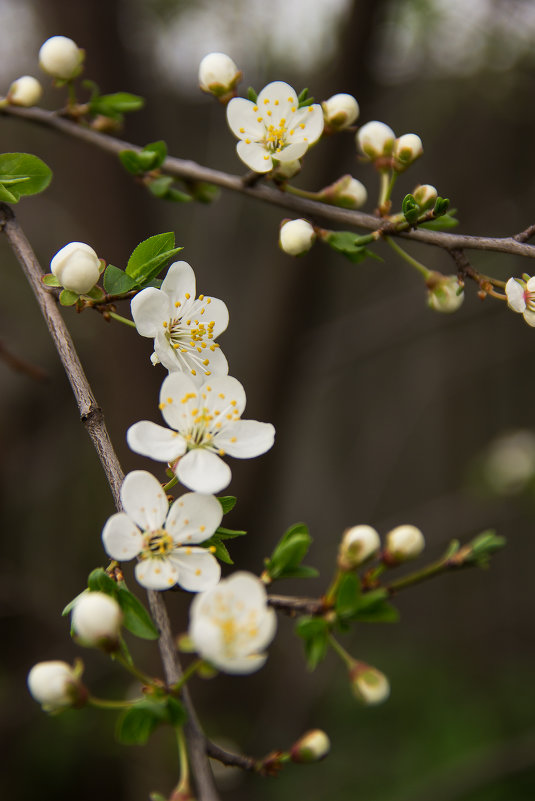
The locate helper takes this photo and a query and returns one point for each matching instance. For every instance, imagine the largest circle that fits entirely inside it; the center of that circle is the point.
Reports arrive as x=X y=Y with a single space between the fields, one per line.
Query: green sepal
x=160 y=186
x=252 y=95
x=135 y=726
x=229 y=533
x=99 y=581
x=308 y=102
x=116 y=281
x=159 y=151
x=303 y=99
x=70 y=606
x=285 y=561
x=348 y=243
x=216 y=541
x=315 y=633
x=136 y=619
x=96 y=293
x=49 y=279
x=150 y=256
x=228 y=502
x=442 y=223
x=130 y=161
x=68 y=298
x=30 y=175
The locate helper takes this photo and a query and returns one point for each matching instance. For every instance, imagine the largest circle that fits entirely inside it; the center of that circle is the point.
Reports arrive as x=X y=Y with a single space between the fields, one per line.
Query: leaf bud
x=375 y=140
x=77 y=267
x=425 y=196
x=311 y=747
x=296 y=237
x=359 y=543
x=347 y=192
x=340 y=111
x=444 y=293
x=403 y=543
x=25 y=91
x=96 y=620
x=61 y=58
x=219 y=75
x=56 y=685
x=407 y=148
x=369 y=685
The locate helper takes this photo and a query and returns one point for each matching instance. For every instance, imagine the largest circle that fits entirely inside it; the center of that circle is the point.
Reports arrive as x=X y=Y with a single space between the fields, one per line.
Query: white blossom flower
x=359 y=543
x=375 y=139
x=296 y=237
x=25 y=91
x=56 y=685
x=340 y=111
x=407 y=148
x=218 y=74
x=164 y=539
x=184 y=328
x=77 y=267
x=232 y=624
x=521 y=298
x=404 y=543
x=96 y=619
x=273 y=128
x=369 y=685
x=60 y=57
x=204 y=424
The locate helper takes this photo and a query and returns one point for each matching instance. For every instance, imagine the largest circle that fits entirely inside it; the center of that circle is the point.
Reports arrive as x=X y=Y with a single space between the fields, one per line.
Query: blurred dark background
x=385 y=411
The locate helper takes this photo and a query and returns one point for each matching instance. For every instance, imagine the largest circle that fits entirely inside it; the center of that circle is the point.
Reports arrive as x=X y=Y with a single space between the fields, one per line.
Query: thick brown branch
x=191 y=171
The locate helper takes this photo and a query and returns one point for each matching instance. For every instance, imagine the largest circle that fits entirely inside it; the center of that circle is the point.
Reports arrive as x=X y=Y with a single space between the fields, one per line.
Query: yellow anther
x=183 y=350
x=206 y=361
x=247 y=141
x=198 y=572
x=208 y=389
x=221 y=395
x=194 y=372
x=266 y=158
x=199 y=350
x=188 y=551
x=255 y=108
x=266 y=101
x=310 y=109
x=228 y=416
x=259 y=119
x=164 y=323
x=212 y=549
x=233 y=403
x=242 y=130
x=291 y=100
x=293 y=109
x=283 y=121
x=233 y=439
x=194 y=412
x=292 y=132
x=208 y=372
x=202 y=528
x=276 y=103
x=208 y=300
x=188 y=322
x=216 y=412
x=269 y=113
x=187 y=296
x=176 y=347
x=302 y=125
x=161 y=406
x=186 y=522
x=177 y=303
x=203 y=344
x=221 y=452
x=170 y=581
x=169 y=400
x=305 y=139
x=212 y=348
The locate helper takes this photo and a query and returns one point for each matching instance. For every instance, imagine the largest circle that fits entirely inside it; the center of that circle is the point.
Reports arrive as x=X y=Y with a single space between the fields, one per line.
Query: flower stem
x=409 y=259
x=170 y=484
x=330 y=595
x=121 y=319
x=183 y=787
x=293 y=190
x=187 y=674
x=386 y=186
x=341 y=651
x=105 y=703
x=133 y=669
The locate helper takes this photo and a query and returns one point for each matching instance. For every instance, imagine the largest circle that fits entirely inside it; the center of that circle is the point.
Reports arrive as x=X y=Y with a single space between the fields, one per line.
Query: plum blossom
x=273 y=129
x=164 y=539
x=184 y=328
x=204 y=425
x=521 y=298
x=231 y=624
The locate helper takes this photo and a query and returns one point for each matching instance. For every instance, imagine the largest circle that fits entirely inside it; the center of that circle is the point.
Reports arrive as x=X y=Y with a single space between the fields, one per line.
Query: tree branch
x=190 y=171
x=93 y=419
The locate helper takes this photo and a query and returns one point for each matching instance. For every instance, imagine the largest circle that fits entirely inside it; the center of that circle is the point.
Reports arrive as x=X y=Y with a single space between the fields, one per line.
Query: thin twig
x=228 y=758
x=190 y=171
x=21 y=365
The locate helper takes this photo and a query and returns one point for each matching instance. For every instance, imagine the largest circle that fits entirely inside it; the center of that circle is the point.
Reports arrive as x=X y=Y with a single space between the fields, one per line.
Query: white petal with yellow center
x=144 y=500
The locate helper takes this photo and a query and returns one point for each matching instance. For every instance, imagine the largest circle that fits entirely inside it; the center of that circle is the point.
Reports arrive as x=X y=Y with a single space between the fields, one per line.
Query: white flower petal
x=149 y=308
x=217 y=363
x=311 y=117
x=245 y=438
x=198 y=570
x=121 y=538
x=243 y=120
x=217 y=312
x=203 y=471
x=179 y=282
x=241 y=665
x=247 y=589
x=529 y=317
x=277 y=91
x=193 y=518
x=256 y=156
x=166 y=354
x=156 y=442
x=266 y=629
x=144 y=500
x=178 y=396
x=292 y=152
x=515 y=295
x=223 y=392
x=156 y=574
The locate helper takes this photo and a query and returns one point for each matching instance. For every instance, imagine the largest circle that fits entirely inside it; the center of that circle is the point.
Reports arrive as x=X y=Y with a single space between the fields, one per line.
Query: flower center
x=157 y=544
x=275 y=138
x=190 y=337
x=236 y=628
x=529 y=299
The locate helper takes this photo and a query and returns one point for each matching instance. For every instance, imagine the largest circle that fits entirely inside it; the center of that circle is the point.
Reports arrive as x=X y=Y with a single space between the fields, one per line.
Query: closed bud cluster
x=77 y=267
x=340 y=111
x=403 y=543
x=359 y=543
x=56 y=685
x=425 y=195
x=444 y=293
x=311 y=747
x=25 y=91
x=219 y=75
x=407 y=149
x=96 y=620
x=347 y=192
x=375 y=140
x=61 y=58
x=296 y=237
x=369 y=685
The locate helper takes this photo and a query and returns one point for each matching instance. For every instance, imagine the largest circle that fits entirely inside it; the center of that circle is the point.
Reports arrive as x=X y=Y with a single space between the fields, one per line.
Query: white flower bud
x=77 y=267
x=407 y=148
x=296 y=237
x=60 y=57
x=425 y=195
x=404 y=543
x=25 y=91
x=96 y=619
x=56 y=685
x=218 y=74
x=369 y=685
x=311 y=747
x=286 y=170
x=375 y=139
x=347 y=192
x=359 y=543
x=443 y=293
x=340 y=111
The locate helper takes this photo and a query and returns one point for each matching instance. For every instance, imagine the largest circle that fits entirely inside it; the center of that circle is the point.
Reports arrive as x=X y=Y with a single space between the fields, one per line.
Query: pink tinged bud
x=25 y=91
x=218 y=74
x=425 y=195
x=296 y=237
x=375 y=140
x=60 y=57
x=56 y=685
x=445 y=295
x=369 y=685
x=96 y=620
x=311 y=747
x=77 y=267
x=359 y=543
x=340 y=111
x=407 y=148
x=404 y=543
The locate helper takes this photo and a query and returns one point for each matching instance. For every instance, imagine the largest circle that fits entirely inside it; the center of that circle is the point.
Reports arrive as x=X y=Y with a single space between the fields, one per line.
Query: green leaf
x=482 y=547
x=300 y=571
x=307 y=102
x=159 y=149
x=204 y=192
x=348 y=596
x=115 y=105
x=289 y=553
x=410 y=208
x=70 y=606
x=8 y=197
x=68 y=298
x=96 y=293
x=136 y=618
x=374 y=608
x=36 y=174
x=175 y=712
x=315 y=632
x=228 y=502
x=441 y=223
x=221 y=550
x=160 y=186
x=116 y=281
x=229 y=533
x=49 y=279
x=347 y=243
x=441 y=206
x=7 y=181
x=131 y=162
x=135 y=726
x=177 y=196
x=150 y=256
x=252 y=95
x=99 y=581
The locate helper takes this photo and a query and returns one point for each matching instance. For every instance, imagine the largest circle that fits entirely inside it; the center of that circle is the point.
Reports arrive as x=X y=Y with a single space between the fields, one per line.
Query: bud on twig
x=296 y=237
x=425 y=196
x=407 y=148
x=340 y=111
x=444 y=293
x=25 y=91
x=375 y=140
x=359 y=543
x=96 y=619
x=403 y=543
x=61 y=58
x=347 y=192
x=219 y=75
x=311 y=747
x=369 y=685
x=77 y=267
x=56 y=685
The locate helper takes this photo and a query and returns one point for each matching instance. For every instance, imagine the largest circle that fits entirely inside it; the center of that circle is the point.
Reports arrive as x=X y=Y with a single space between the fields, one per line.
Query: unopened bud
x=286 y=170
x=218 y=75
x=425 y=195
x=375 y=140
x=296 y=237
x=96 y=620
x=444 y=293
x=77 y=267
x=25 y=91
x=311 y=747
x=347 y=192
x=56 y=685
x=403 y=543
x=407 y=148
x=359 y=543
x=61 y=58
x=369 y=685
x=340 y=111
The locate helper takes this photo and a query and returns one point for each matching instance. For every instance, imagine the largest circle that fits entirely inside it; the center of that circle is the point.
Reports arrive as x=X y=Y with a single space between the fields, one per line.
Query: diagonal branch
x=190 y=171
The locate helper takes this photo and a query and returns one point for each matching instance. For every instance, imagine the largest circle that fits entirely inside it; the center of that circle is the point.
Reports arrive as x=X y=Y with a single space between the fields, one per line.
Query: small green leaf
x=315 y=632
x=204 y=192
x=159 y=149
x=441 y=206
x=442 y=223
x=300 y=571
x=228 y=502
x=410 y=208
x=347 y=243
x=374 y=608
x=36 y=174
x=49 y=279
x=160 y=186
x=96 y=293
x=229 y=533
x=308 y=102
x=289 y=553
x=303 y=94
x=68 y=298
x=177 y=196
x=116 y=281
x=348 y=596
x=115 y=105
x=131 y=162
x=136 y=618
x=150 y=256
x=8 y=197
x=175 y=712
x=252 y=95
x=135 y=726
x=70 y=606
x=99 y=581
